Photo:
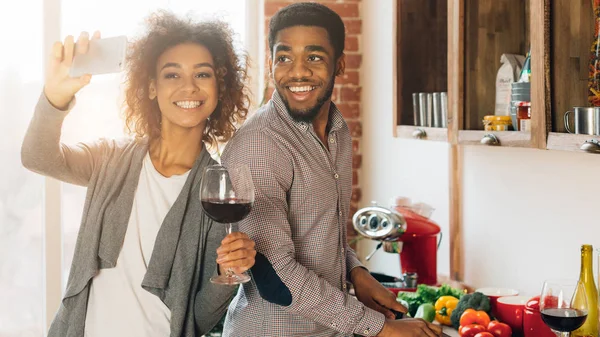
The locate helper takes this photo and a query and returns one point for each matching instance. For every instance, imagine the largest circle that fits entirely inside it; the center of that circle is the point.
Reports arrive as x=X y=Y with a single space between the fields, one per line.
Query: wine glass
x=227 y=195
x=563 y=305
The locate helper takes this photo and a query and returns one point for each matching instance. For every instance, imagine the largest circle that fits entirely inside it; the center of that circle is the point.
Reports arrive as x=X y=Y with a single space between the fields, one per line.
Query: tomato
x=484 y=334
x=499 y=329
x=471 y=316
x=470 y=330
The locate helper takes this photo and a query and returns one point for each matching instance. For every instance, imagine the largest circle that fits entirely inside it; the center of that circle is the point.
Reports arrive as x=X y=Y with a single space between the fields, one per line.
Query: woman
x=145 y=250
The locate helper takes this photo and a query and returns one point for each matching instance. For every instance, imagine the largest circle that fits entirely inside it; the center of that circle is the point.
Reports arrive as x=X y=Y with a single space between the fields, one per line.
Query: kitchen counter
x=450 y=332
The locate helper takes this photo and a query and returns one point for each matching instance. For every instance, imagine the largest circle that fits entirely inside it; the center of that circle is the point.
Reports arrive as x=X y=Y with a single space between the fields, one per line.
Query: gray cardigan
x=184 y=253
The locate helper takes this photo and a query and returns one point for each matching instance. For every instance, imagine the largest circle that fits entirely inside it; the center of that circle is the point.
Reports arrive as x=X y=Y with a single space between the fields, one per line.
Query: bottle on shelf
x=525 y=75
x=524 y=116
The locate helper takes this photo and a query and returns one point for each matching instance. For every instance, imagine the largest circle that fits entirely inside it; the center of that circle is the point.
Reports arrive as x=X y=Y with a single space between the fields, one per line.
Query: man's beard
x=308 y=115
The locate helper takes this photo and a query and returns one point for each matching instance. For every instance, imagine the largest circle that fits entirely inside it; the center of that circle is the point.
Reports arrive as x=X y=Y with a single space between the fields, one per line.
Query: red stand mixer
x=401 y=230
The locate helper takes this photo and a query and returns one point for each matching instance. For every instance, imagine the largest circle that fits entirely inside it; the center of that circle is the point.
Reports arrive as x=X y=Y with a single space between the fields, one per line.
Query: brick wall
x=347 y=91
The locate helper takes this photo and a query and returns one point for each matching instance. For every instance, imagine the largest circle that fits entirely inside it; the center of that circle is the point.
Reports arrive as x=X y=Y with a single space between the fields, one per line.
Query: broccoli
x=476 y=301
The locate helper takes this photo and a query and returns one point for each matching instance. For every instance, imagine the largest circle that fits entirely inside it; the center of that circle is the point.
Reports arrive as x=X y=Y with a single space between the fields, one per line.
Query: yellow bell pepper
x=443 y=309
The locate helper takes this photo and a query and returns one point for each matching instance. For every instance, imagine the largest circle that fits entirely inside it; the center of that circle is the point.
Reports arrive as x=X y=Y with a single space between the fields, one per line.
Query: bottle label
x=525 y=125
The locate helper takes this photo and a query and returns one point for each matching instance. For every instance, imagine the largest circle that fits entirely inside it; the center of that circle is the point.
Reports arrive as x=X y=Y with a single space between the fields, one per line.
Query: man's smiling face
x=303 y=68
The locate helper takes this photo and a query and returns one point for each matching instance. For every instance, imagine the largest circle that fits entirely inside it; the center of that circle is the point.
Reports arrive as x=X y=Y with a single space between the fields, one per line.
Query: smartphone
x=104 y=56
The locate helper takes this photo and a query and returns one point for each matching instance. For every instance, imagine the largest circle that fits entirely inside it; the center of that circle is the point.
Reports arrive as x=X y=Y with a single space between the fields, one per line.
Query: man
x=298 y=148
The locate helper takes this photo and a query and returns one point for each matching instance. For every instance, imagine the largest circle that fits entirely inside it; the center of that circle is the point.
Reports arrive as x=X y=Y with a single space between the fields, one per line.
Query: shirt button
x=340 y=213
x=333 y=325
x=332 y=140
x=336 y=176
x=344 y=286
x=342 y=250
x=367 y=331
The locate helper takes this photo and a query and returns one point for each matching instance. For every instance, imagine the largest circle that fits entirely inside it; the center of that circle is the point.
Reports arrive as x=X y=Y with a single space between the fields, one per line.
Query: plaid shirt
x=302 y=200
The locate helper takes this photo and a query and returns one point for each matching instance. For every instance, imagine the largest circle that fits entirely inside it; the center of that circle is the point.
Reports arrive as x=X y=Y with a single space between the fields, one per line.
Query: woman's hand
x=60 y=88
x=236 y=252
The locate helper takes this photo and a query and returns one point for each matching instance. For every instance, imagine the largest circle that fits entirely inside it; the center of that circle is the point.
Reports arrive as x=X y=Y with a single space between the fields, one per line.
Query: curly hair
x=165 y=30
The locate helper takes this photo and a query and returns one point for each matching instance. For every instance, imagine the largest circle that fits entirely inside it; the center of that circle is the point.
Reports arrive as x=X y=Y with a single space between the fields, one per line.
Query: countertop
x=450 y=332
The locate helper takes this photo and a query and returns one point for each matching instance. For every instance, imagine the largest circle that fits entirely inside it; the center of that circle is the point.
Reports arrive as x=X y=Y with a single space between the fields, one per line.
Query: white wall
x=525 y=212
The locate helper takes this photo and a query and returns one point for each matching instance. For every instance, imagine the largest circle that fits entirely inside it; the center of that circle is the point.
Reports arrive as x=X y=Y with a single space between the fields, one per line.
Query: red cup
x=510 y=310
x=495 y=293
x=533 y=325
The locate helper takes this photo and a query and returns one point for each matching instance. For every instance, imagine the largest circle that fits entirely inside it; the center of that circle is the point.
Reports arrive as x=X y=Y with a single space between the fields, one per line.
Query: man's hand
x=372 y=294
x=410 y=327
x=236 y=253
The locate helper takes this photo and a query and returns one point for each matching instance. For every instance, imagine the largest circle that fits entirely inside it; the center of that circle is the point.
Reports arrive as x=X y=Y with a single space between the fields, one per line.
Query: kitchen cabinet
x=420 y=64
x=479 y=32
x=572 y=24
x=455 y=46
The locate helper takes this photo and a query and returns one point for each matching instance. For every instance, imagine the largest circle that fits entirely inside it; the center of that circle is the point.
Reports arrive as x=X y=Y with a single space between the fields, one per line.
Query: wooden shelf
x=568 y=142
x=431 y=134
x=506 y=138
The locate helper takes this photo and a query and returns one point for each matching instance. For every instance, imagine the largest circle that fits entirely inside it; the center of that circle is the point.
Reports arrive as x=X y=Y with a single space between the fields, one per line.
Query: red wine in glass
x=227 y=195
x=227 y=210
x=564 y=320
x=563 y=306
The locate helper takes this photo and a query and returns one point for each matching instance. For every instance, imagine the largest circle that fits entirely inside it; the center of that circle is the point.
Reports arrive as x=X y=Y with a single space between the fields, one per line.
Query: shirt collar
x=336 y=120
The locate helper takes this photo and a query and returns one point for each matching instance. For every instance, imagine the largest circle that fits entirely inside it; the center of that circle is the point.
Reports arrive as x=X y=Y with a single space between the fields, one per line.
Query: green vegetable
x=476 y=300
x=426 y=311
x=446 y=290
x=427 y=294
x=413 y=301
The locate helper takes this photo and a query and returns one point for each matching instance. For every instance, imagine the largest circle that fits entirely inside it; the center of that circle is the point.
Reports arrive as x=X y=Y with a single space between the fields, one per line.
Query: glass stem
x=229 y=272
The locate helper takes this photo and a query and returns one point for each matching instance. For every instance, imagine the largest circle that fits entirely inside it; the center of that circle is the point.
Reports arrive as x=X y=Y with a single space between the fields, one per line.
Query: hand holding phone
x=103 y=56
x=70 y=66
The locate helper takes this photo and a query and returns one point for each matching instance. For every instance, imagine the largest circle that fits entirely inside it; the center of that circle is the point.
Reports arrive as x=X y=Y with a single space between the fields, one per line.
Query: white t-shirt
x=118 y=305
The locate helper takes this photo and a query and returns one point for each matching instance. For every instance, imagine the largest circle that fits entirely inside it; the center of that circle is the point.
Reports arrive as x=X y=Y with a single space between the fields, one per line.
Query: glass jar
x=496 y=123
x=524 y=116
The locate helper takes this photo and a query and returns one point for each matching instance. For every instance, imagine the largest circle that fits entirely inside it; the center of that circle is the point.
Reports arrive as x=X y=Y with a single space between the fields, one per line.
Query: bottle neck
x=586 y=273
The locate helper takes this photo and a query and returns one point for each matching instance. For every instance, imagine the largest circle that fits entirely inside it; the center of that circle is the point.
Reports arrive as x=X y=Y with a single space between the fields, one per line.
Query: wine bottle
x=586 y=277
